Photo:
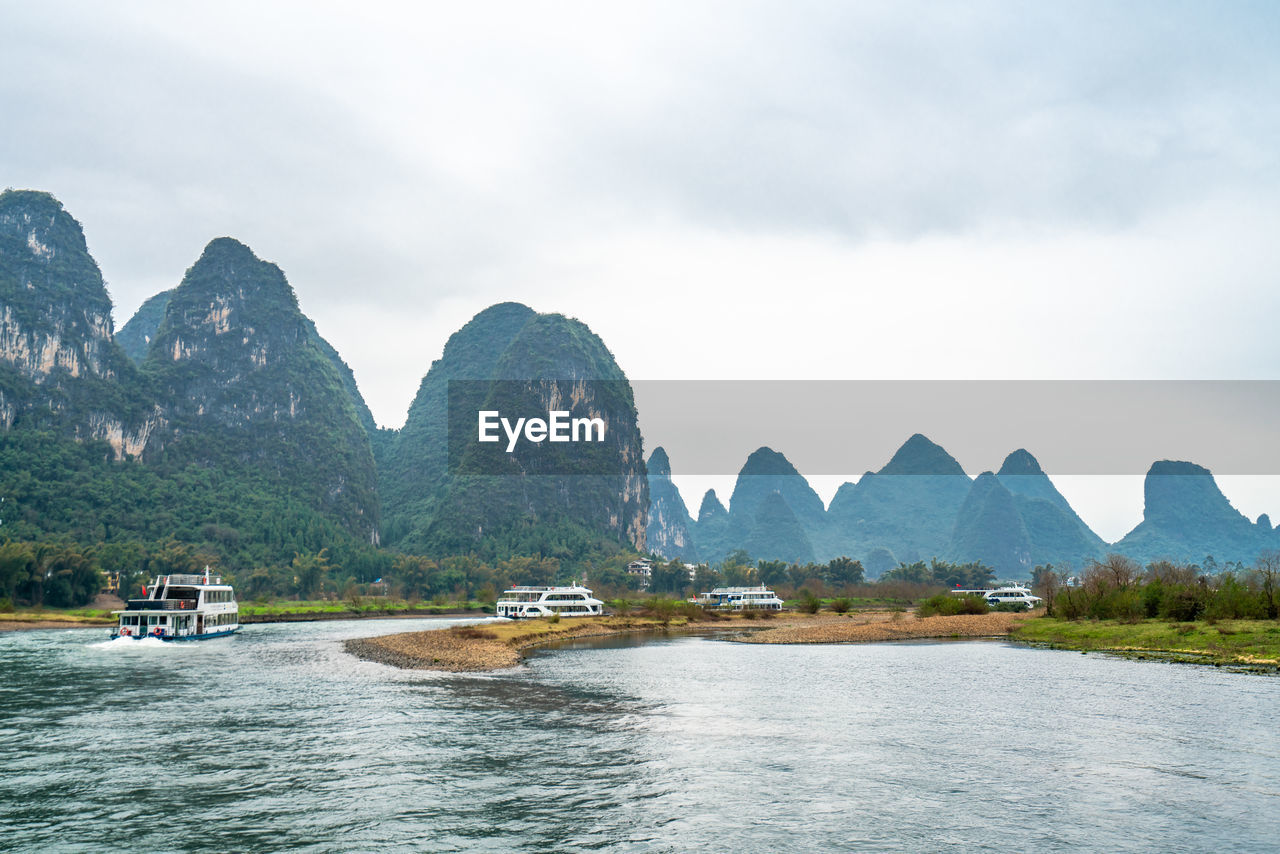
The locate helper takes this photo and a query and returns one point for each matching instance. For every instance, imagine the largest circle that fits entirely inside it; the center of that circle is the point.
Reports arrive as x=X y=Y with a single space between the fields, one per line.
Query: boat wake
x=129 y=643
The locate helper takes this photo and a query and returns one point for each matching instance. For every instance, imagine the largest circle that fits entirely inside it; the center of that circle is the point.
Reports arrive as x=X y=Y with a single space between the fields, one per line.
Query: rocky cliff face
x=136 y=337
x=60 y=368
x=245 y=383
x=413 y=467
x=669 y=533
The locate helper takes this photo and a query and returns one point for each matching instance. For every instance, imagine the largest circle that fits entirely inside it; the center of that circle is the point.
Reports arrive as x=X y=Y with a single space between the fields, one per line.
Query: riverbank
x=26 y=622
x=490 y=646
x=1250 y=644
x=496 y=646
x=871 y=627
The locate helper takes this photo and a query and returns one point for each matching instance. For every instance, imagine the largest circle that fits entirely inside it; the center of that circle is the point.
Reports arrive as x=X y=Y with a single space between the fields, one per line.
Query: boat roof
x=574 y=587
x=179 y=579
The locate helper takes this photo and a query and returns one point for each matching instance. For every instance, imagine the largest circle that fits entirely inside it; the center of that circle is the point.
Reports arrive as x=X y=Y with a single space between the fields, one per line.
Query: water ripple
x=277 y=739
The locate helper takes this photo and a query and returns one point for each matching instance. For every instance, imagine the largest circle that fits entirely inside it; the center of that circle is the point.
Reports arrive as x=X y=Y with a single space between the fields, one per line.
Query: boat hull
x=206 y=636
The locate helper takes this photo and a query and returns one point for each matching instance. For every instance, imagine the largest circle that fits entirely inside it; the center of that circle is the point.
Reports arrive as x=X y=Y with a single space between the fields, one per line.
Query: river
x=278 y=739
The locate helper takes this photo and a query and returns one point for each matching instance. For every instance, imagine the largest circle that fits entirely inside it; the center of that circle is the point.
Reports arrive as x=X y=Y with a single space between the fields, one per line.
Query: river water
x=278 y=739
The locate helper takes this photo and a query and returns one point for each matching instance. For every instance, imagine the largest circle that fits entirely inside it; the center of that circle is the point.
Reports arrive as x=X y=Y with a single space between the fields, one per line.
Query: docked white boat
x=527 y=602
x=1014 y=594
x=180 y=608
x=741 y=599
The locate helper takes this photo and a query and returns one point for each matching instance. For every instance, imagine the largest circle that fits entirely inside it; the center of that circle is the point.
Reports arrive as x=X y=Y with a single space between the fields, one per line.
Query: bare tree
x=1119 y=570
x=1268 y=567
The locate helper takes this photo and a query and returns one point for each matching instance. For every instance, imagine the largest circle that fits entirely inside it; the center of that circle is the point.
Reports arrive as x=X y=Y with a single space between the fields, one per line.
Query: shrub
x=691 y=611
x=662 y=609
x=1181 y=604
x=810 y=604
x=1234 y=601
x=1118 y=603
x=841 y=605
x=1070 y=603
x=946 y=605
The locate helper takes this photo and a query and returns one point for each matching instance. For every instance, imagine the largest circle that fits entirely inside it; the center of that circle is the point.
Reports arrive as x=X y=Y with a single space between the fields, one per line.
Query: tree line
x=1119 y=588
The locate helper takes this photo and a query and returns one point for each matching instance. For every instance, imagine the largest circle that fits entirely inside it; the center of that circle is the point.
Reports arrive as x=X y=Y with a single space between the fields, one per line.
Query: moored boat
x=180 y=607
x=525 y=602
x=1009 y=594
x=741 y=599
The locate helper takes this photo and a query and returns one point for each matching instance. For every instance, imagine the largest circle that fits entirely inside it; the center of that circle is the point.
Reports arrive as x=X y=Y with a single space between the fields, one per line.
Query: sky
x=737 y=190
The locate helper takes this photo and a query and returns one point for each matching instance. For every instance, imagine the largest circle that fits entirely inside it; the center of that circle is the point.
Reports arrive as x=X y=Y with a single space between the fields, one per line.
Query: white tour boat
x=741 y=599
x=571 y=601
x=181 y=607
x=1009 y=594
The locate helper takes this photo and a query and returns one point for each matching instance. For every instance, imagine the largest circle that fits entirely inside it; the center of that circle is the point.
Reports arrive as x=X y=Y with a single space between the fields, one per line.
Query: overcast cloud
x=720 y=190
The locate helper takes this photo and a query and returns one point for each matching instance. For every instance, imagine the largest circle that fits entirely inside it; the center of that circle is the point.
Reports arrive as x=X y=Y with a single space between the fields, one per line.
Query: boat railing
x=161 y=605
x=184 y=578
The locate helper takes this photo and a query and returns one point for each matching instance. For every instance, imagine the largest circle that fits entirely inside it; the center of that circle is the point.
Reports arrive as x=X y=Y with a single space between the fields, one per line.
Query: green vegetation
x=969 y=575
x=39 y=574
x=367 y=606
x=1170 y=609
x=1224 y=641
x=254 y=450
x=576 y=504
x=948 y=605
x=1119 y=589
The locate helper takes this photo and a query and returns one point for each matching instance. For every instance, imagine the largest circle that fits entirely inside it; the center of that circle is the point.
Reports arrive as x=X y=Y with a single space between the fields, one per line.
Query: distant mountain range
x=922 y=504
x=219 y=417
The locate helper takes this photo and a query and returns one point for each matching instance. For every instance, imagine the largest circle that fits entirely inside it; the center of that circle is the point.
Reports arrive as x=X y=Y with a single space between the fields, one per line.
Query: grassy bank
x=52 y=618
x=268 y=612
x=1249 y=643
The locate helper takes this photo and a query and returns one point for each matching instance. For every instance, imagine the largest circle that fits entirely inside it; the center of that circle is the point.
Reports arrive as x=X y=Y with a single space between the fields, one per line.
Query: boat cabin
x=181 y=607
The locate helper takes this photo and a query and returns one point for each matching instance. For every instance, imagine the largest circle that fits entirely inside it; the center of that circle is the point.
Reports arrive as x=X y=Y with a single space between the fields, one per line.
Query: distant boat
x=528 y=602
x=741 y=599
x=180 y=608
x=1009 y=594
